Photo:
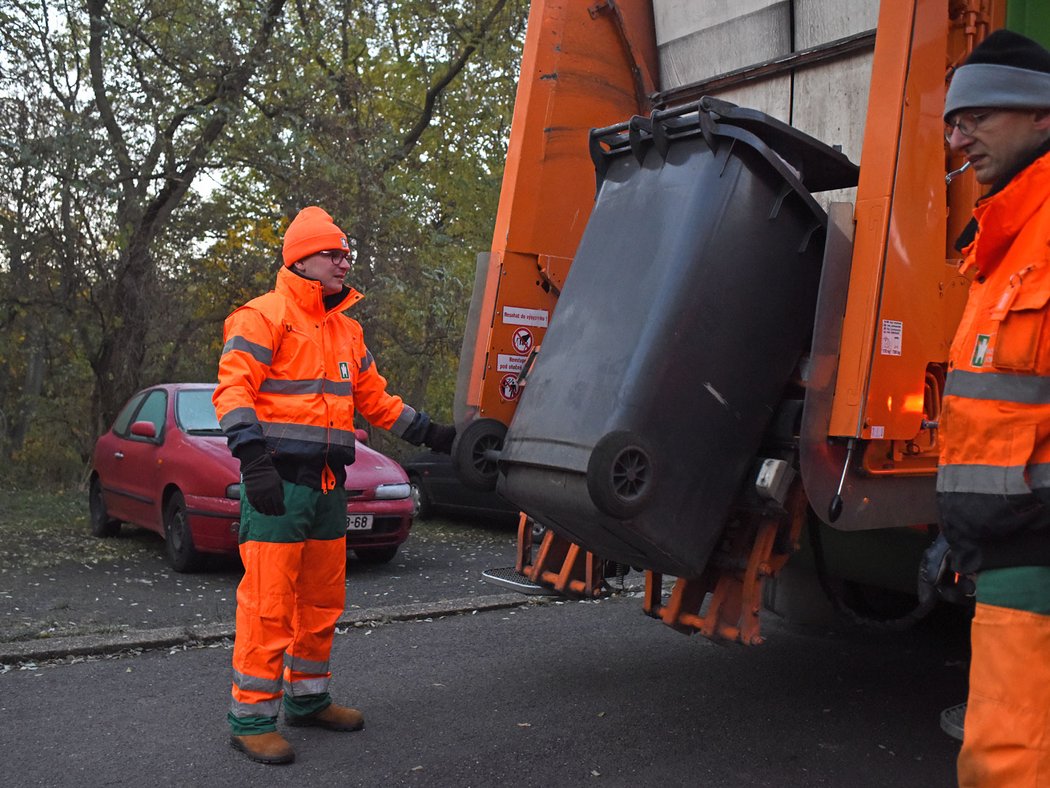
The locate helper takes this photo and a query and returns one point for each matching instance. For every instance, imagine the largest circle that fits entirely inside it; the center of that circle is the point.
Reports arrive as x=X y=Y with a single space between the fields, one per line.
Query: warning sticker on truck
x=508 y=363
x=509 y=388
x=520 y=316
x=522 y=340
x=892 y=330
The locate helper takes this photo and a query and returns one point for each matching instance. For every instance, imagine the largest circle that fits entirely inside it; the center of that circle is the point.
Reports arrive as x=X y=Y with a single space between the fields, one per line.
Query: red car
x=164 y=465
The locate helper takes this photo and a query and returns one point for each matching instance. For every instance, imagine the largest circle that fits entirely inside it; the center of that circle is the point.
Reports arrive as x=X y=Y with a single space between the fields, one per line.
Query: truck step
x=508 y=577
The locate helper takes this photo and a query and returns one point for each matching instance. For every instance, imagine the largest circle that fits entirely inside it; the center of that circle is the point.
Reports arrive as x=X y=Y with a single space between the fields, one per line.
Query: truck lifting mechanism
x=731 y=235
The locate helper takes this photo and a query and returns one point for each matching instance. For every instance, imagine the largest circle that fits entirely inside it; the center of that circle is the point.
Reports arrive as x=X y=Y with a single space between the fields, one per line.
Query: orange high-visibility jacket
x=993 y=484
x=291 y=374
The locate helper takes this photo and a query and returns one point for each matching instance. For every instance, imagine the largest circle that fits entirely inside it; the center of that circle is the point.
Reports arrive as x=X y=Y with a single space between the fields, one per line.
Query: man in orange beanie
x=293 y=370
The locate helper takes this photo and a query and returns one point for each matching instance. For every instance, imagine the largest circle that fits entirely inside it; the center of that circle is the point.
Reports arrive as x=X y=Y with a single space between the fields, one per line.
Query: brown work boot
x=334 y=717
x=264 y=747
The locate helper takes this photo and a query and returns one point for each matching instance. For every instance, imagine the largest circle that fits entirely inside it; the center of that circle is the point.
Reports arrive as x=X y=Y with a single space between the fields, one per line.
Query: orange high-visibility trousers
x=288 y=602
x=1006 y=739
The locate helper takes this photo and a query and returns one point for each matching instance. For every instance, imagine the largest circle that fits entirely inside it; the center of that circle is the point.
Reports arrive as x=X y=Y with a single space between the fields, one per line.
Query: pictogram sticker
x=508 y=387
x=522 y=340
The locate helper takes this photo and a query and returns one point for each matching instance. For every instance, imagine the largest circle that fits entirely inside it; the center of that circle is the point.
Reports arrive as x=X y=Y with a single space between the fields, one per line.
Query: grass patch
x=41 y=528
x=43 y=511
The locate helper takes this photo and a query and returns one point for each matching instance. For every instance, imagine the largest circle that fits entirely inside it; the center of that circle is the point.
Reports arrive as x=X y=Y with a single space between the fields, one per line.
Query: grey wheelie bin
x=686 y=311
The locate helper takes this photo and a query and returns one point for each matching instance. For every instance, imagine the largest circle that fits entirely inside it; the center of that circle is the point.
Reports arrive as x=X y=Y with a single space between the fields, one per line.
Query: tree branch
x=229 y=91
x=97 y=27
x=437 y=88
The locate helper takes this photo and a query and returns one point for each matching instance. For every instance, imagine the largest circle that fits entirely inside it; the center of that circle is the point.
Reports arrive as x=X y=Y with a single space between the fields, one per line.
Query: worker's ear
x=1042 y=119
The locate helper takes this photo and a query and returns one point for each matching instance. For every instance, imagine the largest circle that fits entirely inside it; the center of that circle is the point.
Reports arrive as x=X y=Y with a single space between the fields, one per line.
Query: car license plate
x=359 y=522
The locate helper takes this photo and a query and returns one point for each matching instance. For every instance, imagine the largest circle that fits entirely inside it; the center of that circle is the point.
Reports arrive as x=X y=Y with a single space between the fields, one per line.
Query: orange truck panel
x=584 y=65
x=905 y=296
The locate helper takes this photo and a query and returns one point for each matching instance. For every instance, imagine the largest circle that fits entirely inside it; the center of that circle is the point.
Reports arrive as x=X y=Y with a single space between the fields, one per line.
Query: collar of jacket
x=1002 y=215
x=970 y=230
x=309 y=294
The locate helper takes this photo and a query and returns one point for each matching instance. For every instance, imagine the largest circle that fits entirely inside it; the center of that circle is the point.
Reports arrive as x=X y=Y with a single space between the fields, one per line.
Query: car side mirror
x=361 y=436
x=144 y=429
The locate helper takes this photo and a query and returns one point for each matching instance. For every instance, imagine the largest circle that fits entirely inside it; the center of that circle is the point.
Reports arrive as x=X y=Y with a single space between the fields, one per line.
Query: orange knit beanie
x=310 y=232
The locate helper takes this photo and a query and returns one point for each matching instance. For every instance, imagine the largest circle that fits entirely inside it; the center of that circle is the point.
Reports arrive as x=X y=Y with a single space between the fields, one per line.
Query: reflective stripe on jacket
x=993 y=484
x=292 y=373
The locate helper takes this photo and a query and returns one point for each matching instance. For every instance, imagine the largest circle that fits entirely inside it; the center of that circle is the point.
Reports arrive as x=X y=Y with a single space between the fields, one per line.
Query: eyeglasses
x=336 y=257
x=966 y=123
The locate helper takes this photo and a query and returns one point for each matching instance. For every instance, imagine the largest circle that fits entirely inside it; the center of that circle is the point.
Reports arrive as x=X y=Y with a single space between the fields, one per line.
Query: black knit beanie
x=1006 y=70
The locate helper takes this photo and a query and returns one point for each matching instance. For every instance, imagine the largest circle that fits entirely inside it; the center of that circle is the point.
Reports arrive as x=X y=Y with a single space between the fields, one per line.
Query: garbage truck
x=709 y=341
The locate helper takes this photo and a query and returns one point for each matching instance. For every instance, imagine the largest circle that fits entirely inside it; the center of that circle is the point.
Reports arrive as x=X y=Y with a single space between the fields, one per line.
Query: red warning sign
x=509 y=388
x=522 y=340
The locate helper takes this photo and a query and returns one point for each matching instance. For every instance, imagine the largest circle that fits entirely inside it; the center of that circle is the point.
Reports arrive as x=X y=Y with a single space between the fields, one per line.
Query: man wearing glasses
x=993 y=483
x=293 y=370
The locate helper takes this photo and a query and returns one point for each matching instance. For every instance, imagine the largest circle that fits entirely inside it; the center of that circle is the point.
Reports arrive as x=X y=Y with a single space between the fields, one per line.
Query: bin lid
x=822 y=167
x=818 y=167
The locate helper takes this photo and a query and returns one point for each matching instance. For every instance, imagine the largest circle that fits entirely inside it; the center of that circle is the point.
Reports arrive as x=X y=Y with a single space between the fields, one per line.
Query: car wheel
x=182 y=555
x=424 y=503
x=376 y=555
x=102 y=525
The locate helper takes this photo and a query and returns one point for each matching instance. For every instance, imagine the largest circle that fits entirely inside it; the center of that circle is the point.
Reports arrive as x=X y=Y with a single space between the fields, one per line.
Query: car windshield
x=195 y=413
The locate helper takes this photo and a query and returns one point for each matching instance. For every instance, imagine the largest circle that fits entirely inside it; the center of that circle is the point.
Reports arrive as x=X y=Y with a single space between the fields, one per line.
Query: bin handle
x=639 y=131
x=707 y=129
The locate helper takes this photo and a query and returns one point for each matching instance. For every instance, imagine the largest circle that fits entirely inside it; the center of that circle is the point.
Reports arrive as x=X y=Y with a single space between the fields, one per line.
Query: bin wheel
x=475 y=453
x=620 y=475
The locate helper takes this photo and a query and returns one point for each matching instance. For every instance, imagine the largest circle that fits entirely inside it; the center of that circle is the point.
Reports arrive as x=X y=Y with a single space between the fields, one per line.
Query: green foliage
x=152 y=153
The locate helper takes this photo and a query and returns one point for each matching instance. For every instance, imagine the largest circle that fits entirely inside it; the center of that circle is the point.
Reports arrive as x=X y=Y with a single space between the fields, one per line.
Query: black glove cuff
x=418 y=429
x=431 y=433
x=260 y=464
x=439 y=437
x=250 y=452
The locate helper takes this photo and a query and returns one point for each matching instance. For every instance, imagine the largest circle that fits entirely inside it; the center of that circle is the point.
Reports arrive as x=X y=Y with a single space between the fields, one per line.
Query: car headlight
x=234 y=491
x=389 y=492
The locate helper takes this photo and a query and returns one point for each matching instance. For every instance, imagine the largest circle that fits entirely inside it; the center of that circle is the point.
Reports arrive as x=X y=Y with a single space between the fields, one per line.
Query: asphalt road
x=544 y=694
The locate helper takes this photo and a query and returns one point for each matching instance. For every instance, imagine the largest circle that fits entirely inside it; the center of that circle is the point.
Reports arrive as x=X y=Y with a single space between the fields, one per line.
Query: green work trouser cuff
x=250 y=726
x=305 y=705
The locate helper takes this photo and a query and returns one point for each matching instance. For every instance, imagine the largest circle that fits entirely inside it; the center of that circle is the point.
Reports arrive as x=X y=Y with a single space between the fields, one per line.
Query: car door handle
x=119 y=455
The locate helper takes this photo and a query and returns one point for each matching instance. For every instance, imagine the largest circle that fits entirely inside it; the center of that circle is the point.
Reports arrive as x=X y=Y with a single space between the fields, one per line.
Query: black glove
x=263 y=486
x=439 y=437
x=937 y=577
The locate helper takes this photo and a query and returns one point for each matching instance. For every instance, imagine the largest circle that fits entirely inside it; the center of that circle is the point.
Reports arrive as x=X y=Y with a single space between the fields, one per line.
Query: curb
x=114 y=643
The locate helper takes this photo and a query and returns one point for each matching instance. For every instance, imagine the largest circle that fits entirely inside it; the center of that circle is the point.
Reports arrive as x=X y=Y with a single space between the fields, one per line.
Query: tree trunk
x=32 y=384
